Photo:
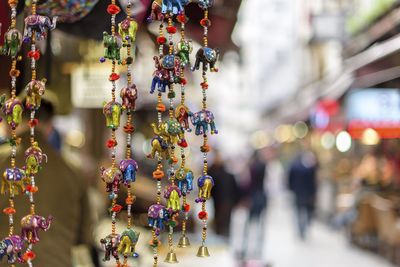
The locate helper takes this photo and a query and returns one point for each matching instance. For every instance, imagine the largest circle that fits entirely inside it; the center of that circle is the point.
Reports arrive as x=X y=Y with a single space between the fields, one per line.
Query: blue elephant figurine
x=157 y=216
x=128 y=168
x=201 y=120
x=204 y=4
x=12 y=247
x=184 y=178
x=173 y=6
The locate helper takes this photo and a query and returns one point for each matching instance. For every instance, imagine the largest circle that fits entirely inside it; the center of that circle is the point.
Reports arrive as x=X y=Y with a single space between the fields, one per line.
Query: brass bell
x=203 y=252
x=184 y=242
x=171 y=257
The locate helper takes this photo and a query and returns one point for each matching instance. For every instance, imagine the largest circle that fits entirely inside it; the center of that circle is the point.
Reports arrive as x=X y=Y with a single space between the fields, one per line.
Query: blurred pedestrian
x=225 y=194
x=303 y=184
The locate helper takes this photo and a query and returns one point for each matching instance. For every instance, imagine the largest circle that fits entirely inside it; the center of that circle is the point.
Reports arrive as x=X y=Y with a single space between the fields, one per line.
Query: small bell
x=171 y=257
x=203 y=252
x=184 y=242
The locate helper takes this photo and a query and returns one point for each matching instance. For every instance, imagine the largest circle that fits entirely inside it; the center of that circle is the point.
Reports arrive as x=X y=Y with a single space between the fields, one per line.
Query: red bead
x=116 y=208
x=31 y=189
x=33 y=123
x=9 y=211
x=113 y=77
x=34 y=54
x=129 y=129
x=205 y=22
x=113 y=9
x=161 y=40
x=171 y=29
x=111 y=143
x=186 y=207
x=203 y=215
x=183 y=81
x=182 y=18
x=29 y=255
x=204 y=85
x=182 y=143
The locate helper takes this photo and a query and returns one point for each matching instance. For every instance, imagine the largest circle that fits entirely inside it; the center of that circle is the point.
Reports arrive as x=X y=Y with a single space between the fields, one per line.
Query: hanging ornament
x=203 y=121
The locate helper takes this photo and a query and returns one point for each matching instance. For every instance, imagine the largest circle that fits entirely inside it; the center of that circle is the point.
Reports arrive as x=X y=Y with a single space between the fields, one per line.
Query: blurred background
x=307 y=159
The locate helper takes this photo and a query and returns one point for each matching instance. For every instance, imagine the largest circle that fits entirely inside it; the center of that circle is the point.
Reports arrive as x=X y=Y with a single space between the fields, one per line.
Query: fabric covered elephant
x=182 y=115
x=184 y=178
x=128 y=167
x=13 y=179
x=169 y=130
x=112 y=45
x=40 y=25
x=13 y=110
x=112 y=177
x=34 y=91
x=157 y=216
x=129 y=96
x=205 y=184
x=127 y=30
x=204 y=4
x=173 y=194
x=183 y=50
x=31 y=224
x=12 y=247
x=112 y=111
x=173 y=6
x=12 y=43
x=128 y=241
x=161 y=77
x=201 y=120
x=208 y=57
x=110 y=245
x=159 y=146
x=172 y=64
x=33 y=159
x=156 y=13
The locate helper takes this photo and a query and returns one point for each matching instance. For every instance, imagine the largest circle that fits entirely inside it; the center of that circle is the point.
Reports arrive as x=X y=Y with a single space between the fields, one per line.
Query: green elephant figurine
x=13 y=110
x=183 y=50
x=112 y=46
x=127 y=30
x=12 y=43
x=112 y=111
x=173 y=194
x=33 y=159
x=128 y=241
x=169 y=130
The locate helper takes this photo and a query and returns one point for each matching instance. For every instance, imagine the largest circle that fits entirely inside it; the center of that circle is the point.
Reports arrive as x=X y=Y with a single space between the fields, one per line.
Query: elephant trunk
x=54 y=23
x=48 y=223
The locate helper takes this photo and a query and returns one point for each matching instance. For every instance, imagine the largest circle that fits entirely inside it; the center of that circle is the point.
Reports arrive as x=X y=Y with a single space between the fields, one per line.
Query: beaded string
x=112 y=110
x=12 y=44
x=34 y=156
x=207 y=57
x=128 y=166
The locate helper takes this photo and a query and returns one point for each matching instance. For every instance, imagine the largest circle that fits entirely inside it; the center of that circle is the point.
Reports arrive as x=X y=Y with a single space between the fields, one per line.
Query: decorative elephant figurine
x=173 y=128
x=201 y=120
x=205 y=184
x=173 y=6
x=12 y=247
x=12 y=43
x=204 y=4
x=110 y=245
x=13 y=179
x=128 y=167
x=33 y=159
x=127 y=30
x=112 y=46
x=13 y=110
x=172 y=64
x=208 y=57
x=128 y=241
x=173 y=194
x=31 y=224
x=112 y=111
x=159 y=146
x=157 y=216
x=183 y=50
x=161 y=77
x=129 y=96
x=156 y=14
x=39 y=25
x=34 y=91
x=182 y=115
x=112 y=177
x=184 y=178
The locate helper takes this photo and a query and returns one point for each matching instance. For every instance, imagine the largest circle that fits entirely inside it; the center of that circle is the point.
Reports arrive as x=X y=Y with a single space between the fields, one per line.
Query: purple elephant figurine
x=201 y=120
x=128 y=168
x=31 y=224
x=157 y=216
x=12 y=247
x=129 y=96
x=110 y=245
x=39 y=25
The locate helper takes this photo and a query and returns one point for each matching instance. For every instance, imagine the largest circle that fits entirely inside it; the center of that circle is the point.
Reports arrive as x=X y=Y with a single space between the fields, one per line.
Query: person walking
x=303 y=184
